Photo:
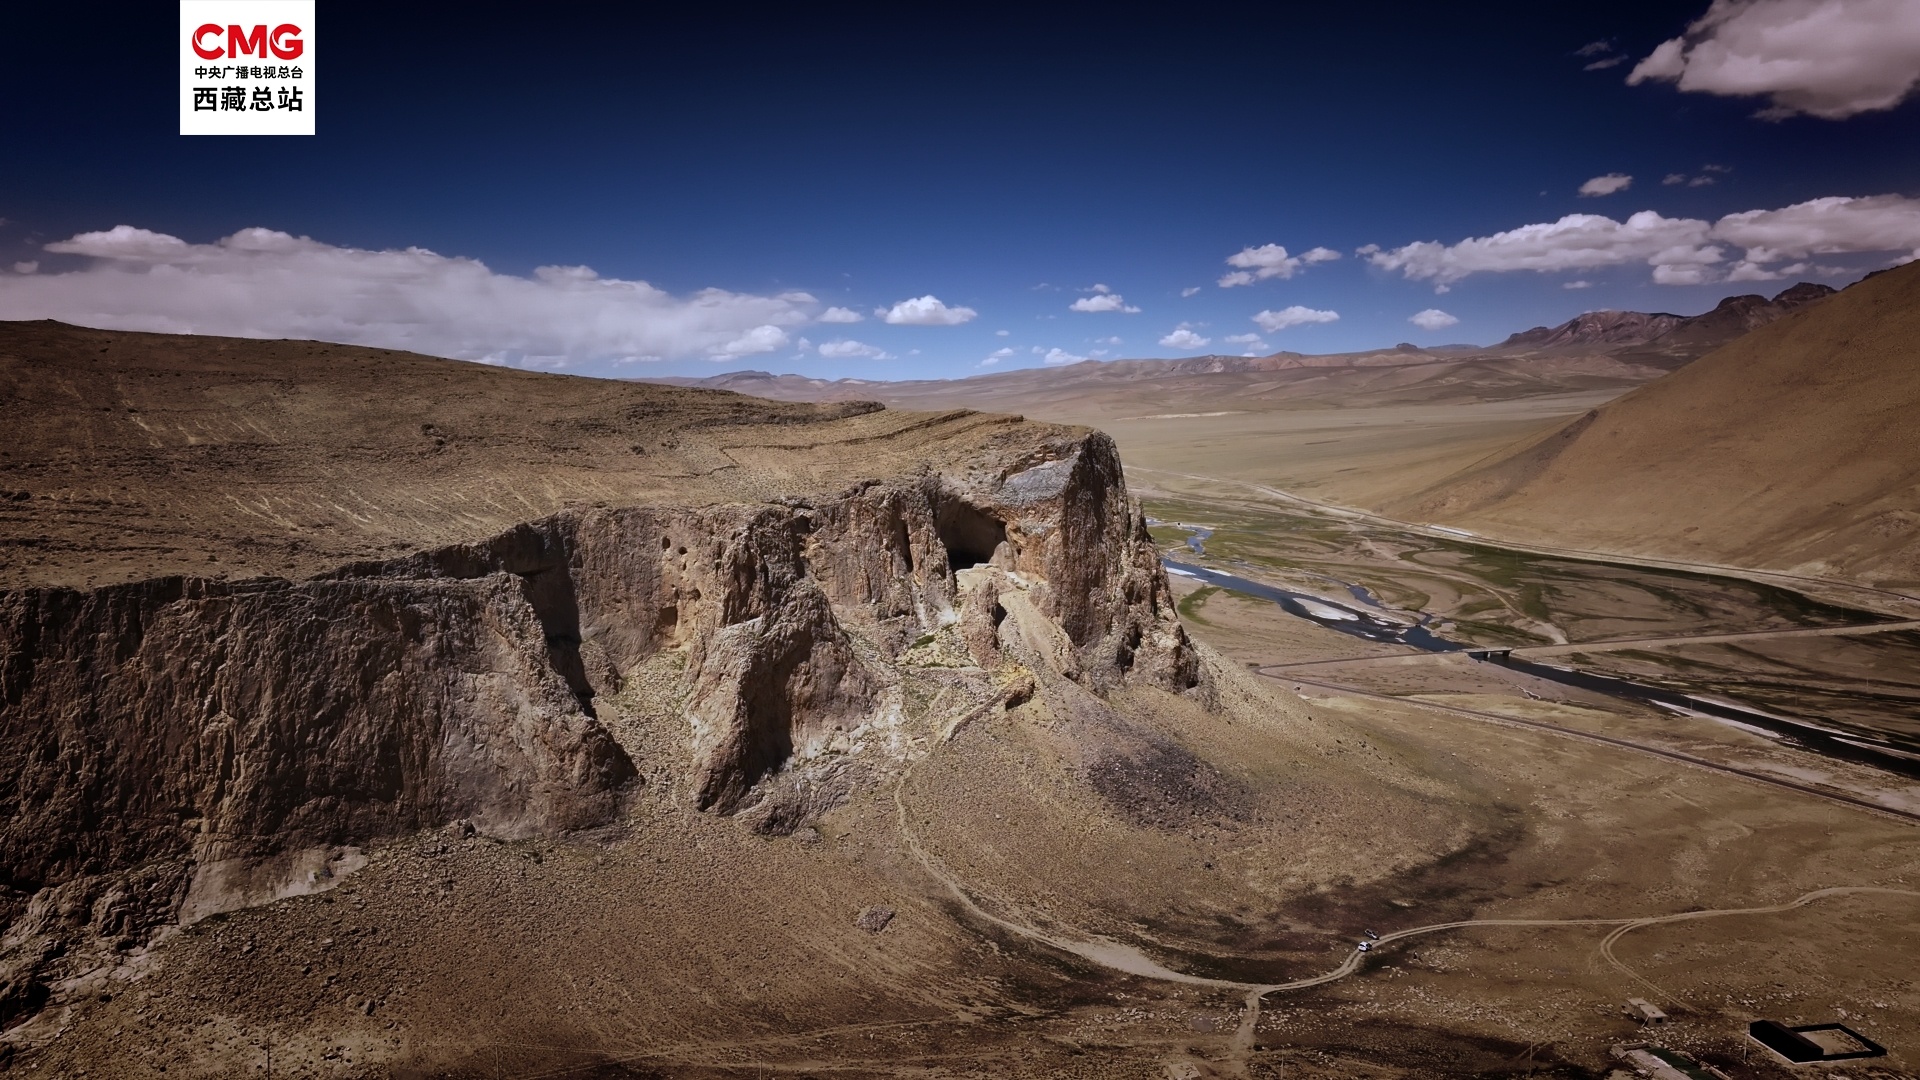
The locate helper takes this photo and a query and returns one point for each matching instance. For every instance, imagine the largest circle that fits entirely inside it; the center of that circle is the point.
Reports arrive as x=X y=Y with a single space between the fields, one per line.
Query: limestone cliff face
x=177 y=746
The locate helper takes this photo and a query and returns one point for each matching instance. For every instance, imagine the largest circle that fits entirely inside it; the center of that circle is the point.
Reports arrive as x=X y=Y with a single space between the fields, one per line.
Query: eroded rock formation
x=179 y=746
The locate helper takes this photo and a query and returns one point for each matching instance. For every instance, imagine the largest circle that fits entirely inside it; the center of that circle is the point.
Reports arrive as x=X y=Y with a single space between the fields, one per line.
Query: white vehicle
x=1366 y=946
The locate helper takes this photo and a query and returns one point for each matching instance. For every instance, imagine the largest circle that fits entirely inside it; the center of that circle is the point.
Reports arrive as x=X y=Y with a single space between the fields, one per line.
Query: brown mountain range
x=1794 y=447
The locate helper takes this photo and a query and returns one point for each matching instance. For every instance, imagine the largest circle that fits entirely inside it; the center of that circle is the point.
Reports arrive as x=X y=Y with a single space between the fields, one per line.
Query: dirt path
x=1530 y=652
x=1609 y=740
x=1115 y=956
x=1713 y=639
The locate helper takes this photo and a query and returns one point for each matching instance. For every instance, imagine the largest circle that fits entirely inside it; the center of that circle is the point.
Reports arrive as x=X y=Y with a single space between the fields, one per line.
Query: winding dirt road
x=1609 y=740
x=1115 y=956
x=1533 y=652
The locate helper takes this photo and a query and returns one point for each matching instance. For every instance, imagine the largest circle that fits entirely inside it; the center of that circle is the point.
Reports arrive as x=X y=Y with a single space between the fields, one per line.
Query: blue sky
x=494 y=189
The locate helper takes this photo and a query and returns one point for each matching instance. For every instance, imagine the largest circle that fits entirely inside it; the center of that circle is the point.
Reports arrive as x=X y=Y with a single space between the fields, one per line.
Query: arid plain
x=890 y=748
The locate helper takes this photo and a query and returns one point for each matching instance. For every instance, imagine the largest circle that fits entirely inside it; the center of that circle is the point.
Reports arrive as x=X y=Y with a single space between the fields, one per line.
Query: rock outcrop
x=179 y=746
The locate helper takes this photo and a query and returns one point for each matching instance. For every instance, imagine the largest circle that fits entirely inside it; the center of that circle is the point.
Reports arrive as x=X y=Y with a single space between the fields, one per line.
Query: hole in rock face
x=969 y=534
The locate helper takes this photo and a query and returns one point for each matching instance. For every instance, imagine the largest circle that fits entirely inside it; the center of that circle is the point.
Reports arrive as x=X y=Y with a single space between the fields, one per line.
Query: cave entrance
x=969 y=534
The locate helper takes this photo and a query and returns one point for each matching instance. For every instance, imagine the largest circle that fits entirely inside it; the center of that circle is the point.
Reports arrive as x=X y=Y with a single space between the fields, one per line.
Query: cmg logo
x=246 y=66
x=211 y=41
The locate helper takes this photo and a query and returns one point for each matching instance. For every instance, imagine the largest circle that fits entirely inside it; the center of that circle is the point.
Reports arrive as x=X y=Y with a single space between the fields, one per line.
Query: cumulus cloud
x=262 y=283
x=1275 y=321
x=1606 y=185
x=1826 y=226
x=1681 y=251
x=1103 y=299
x=1575 y=242
x=925 y=311
x=1108 y=341
x=1059 y=357
x=852 y=350
x=993 y=358
x=1270 y=261
x=28 y=267
x=760 y=339
x=1827 y=58
x=1250 y=342
x=1432 y=319
x=1189 y=291
x=1576 y=284
x=1184 y=337
x=840 y=315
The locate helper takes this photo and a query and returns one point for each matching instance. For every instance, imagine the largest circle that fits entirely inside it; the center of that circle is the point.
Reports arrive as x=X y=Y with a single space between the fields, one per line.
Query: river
x=1366 y=624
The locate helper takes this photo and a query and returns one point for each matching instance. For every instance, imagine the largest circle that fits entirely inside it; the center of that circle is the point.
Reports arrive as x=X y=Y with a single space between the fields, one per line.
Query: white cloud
x=1606 y=185
x=1001 y=333
x=1104 y=299
x=1575 y=242
x=1275 y=321
x=1059 y=357
x=925 y=311
x=1251 y=341
x=760 y=339
x=1682 y=251
x=28 y=267
x=1680 y=275
x=1673 y=178
x=1189 y=291
x=1183 y=337
x=993 y=358
x=840 y=315
x=1827 y=226
x=849 y=350
x=1108 y=341
x=1576 y=284
x=262 y=283
x=1827 y=58
x=1269 y=261
x=1432 y=319
x=1602 y=65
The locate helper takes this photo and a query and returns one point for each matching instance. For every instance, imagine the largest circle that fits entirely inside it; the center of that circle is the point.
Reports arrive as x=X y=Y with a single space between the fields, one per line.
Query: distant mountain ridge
x=1732 y=317
x=1612 y=349
x=1791 y=448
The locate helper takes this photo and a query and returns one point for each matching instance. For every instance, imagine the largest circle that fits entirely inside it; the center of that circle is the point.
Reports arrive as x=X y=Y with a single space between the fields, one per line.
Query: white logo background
x=251 y=93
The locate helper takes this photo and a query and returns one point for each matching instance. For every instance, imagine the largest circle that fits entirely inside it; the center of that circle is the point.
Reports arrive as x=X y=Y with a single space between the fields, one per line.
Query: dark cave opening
x=969 y=534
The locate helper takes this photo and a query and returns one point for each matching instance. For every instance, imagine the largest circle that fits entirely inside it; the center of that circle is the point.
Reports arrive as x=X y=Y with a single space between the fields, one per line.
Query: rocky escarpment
x=180 y=746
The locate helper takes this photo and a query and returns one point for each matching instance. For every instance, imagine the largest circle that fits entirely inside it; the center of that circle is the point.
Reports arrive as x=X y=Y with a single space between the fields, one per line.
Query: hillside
x=1095 y=391
x=1664 y=340
x=1793 y=447
x=451 y=720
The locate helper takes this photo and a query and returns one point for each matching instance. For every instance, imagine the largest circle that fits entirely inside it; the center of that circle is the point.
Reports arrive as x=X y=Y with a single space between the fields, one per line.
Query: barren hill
x=1793 y=447
x=1100 y=390
x=427 y=718
x=1663 y=340
x=1602 y=350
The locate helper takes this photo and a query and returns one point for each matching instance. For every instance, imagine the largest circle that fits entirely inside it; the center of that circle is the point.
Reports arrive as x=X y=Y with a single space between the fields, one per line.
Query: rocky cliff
x=180 y=745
